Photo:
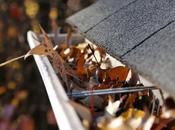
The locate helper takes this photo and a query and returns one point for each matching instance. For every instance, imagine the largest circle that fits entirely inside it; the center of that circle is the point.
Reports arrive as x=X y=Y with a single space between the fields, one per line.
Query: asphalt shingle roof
x=138 y=32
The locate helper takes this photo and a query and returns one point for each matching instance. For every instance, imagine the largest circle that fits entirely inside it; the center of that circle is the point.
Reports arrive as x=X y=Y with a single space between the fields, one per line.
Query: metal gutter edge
x=66 y=116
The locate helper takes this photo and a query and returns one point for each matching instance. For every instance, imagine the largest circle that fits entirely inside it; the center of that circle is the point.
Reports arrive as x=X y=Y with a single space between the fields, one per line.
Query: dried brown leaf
x=118 y=74
x=80 y=65
x=44 y=48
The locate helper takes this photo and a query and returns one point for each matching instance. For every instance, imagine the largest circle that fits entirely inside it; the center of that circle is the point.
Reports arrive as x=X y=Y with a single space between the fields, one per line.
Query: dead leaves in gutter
x=87 y=67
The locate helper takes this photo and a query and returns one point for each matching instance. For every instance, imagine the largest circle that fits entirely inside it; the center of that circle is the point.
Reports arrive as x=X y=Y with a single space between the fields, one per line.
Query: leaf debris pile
x=87 y=67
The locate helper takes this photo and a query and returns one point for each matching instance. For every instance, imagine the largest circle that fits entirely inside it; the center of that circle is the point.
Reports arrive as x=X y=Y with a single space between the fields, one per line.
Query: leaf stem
x=11 y=60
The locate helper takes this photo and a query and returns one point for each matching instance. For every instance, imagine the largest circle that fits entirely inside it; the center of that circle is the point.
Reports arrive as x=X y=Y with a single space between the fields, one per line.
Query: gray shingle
x=91 y=16
x=142 y=33
x=131 y=25
x=155 y=58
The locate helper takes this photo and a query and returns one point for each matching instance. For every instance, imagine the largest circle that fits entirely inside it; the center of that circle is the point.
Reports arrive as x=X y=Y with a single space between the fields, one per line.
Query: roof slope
x=140 y=32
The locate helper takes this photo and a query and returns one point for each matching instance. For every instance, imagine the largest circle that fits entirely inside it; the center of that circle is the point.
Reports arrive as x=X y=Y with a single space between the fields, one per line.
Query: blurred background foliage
x=24 y=103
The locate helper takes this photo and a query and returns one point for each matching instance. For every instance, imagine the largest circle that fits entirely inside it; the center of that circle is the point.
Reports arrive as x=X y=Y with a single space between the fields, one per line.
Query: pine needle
x=11 y=60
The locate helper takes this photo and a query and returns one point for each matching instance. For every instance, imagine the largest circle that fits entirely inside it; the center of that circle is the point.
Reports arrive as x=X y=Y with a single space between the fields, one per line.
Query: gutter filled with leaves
x=105 y=97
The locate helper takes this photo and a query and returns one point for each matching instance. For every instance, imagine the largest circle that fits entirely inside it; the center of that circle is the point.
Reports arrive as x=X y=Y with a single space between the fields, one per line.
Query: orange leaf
x=119 y=73
x=80 y=64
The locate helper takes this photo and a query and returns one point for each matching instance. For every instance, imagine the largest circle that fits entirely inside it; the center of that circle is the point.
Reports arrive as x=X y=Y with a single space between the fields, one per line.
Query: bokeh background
x=24 y=104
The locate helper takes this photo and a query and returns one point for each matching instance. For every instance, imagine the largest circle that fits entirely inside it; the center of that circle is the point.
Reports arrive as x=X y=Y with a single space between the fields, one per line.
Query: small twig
x=12 y=60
